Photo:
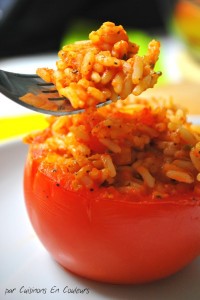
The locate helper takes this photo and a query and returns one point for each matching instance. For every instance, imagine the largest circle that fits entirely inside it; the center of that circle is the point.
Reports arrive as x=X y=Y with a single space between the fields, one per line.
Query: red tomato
x=107 y=236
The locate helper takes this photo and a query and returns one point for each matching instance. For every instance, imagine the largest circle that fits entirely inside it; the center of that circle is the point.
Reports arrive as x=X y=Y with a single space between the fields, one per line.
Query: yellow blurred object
x=11 y=127
x=186 y=22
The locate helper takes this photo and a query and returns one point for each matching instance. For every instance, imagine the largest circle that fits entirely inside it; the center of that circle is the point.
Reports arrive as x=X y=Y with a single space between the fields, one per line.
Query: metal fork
x=16 y=86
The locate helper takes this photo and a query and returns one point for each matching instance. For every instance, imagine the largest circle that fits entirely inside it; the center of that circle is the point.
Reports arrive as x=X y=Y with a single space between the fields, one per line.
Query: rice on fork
x=107 y=66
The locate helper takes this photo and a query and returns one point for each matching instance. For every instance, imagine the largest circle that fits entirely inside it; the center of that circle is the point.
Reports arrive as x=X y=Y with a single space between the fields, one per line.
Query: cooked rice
x=138 y=145
x=107 y=66
x=132 y=145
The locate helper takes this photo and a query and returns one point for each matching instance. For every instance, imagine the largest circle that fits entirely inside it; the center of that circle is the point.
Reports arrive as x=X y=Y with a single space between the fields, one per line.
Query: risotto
x=105 y=67
x=139 y=145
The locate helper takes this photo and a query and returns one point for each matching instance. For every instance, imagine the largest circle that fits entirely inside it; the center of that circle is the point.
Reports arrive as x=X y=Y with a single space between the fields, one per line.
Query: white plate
x=25 y=264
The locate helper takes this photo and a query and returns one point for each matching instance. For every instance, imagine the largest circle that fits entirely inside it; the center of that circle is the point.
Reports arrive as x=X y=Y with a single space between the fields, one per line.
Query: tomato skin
x=111 y=239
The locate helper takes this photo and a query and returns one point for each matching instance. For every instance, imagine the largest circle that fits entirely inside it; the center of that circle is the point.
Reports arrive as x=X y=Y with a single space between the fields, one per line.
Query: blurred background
x=32 y=32
x=43 y=26
x=39 y=25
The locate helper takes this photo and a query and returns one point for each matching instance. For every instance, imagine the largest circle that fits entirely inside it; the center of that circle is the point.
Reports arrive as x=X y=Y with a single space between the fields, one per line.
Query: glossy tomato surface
x=108 y=236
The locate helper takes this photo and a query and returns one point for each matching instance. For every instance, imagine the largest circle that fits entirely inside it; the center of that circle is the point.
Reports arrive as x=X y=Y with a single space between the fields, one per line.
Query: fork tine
x=23 y=75
x=33 y=76
x=49 y=91
x=45 y=84
x=57 y=98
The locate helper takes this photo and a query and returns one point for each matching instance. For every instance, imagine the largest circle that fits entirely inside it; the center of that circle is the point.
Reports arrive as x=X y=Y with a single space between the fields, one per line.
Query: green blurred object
x=80 y=29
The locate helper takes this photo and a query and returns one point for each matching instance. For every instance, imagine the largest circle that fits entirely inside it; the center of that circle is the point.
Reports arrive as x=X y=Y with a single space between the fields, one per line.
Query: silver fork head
x=30 y=91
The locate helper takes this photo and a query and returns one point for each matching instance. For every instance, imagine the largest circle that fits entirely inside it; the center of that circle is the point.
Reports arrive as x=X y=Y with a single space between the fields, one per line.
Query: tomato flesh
x=110 y=237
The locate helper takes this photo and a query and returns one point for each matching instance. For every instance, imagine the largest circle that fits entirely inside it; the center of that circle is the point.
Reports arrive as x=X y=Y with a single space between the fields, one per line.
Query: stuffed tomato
x=114 y=194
